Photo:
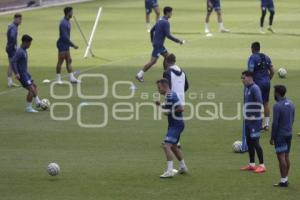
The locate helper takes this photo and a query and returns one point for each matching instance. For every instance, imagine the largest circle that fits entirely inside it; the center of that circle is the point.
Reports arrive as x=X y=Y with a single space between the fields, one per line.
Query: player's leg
x=35 y=95
x=60 y=61
x=165 y=55
x=265 y=90
x=222 y=29
x=267 y=116
x=262 y=19
x=170 y=172
x=208 y=13
x=271 y=18
x=283 y=170
x=179 y=155
x=29 y=99
x=10 y=82
x=148 y=10
x=259 y=151
x=157 y=12
x=251 y=151
x=70 y=68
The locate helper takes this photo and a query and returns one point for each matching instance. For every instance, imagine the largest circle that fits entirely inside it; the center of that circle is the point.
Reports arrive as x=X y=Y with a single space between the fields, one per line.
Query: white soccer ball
x=53 y=169
x=282 y=72
x=45 y=104
x=237 y=146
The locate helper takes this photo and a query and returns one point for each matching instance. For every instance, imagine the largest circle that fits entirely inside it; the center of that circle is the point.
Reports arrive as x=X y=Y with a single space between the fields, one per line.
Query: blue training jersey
x=12 y=38
x=20 y=62
x=65 y=32
x=172 y=102
x=253 y=100
x=160 y=31
x=260 y=64
x=283 y=118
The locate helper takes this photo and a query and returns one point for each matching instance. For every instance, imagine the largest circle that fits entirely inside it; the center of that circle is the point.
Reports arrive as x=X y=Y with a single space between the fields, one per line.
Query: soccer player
x=283 y=119
x=63 y=44
x=149 y=6
x=20 y=68
x=267 y=5
x=252 y=114
x=11 y=46
x=159 y=33
x=173 y=109
x=214 y=5
x=262 y=67
x=177 y=78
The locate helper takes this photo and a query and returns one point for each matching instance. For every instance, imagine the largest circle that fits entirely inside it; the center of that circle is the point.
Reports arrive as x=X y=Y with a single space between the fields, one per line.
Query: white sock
x=58 y=77
x=206 y=26
x=148 y=25
x=29 y=104
x=221 y=25
x=9 y=80
x=140 y=73
x=267 y=121
x=283 y=180
x=37 y=100
x=262 y=165
x=252 y=164
x=71 y=75
x=170 y=165
x=182 y=164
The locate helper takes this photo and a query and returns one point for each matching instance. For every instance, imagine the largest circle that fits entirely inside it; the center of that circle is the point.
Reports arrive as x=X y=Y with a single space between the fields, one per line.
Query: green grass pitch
x=124 y=160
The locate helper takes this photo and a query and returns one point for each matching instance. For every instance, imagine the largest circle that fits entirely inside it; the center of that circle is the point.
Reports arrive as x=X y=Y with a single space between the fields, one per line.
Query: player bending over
x=173 y=109
x=214 y=5
x=262 y=67
x=252 y=114
x=63 y=44
x=11 y=46
x=149 y=6
x=283 y=119
x=267 y=5
x=20 y=68
x=159 y=33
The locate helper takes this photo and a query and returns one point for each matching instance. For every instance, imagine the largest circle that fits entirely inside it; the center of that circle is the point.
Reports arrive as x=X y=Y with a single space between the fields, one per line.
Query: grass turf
x=124 y=159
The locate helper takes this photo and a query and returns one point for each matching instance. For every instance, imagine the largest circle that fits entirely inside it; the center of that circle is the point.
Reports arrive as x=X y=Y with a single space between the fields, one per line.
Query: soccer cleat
x=261 y=31
x=140 y=79
x=11 y=85
x=265 y=128
x=248 y=168
x=281 y=184
x=224 y=30
x=206 y=30
x=183 y=170
x=74 y=81
x=260 y=170
x=271 y=30
x=31 y=110
x=169 y=174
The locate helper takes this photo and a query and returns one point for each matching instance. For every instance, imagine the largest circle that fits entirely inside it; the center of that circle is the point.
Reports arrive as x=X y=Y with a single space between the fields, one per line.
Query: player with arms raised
x=63 y=44
x=149 y=6
x=159 y=33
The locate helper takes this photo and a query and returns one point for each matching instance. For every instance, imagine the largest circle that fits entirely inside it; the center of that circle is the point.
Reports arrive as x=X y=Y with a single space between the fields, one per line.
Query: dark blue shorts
x=149 y=5
x=253 y=128
x=173 y=134
x=62 y=47
x=10 y=54
x=25 y=80
x=283 y=144
x=265 y=91
x=267 y=4
x=213 y=5
x=158 y=50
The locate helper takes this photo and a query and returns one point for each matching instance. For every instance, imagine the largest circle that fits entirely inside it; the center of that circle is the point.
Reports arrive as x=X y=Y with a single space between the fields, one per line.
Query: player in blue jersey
x=173 y=109
x=214 y=5
x=262 y=67
x=149 y=6
x=11 y=46
x=267 y=5
x=63 y=45
x=20 y=68
x=159 y=33
x=283 y=119
x=252 y=120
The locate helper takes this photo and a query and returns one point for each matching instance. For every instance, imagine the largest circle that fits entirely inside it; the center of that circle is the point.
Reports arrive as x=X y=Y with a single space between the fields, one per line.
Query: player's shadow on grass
x=267 y=34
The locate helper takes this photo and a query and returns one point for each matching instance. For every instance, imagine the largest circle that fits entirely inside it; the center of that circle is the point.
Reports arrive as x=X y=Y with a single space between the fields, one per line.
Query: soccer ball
x=45 y=104
x=237 y=147
x=53 y=169
x=282 y=72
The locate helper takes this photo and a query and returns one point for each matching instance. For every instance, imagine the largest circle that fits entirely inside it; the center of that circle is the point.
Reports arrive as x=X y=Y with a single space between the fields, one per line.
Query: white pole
x=93 y=33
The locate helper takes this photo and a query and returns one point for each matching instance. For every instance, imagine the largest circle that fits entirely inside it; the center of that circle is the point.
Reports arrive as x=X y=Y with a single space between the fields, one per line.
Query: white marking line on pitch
x=44 y=6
